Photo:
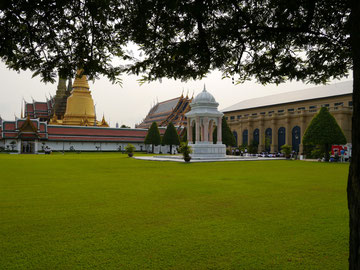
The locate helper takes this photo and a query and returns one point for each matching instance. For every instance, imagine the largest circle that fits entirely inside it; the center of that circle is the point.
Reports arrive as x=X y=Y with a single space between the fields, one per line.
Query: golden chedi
x=80 y=109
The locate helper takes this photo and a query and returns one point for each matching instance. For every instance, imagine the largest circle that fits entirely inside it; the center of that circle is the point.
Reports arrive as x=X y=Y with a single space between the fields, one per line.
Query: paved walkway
x=179 y=158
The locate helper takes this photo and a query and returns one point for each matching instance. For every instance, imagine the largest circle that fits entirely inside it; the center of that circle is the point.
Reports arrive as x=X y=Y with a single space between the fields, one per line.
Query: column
x=288 y=131
x=206 y=129
x=35 y=146
x=261 y=137
x=274 y=143
x=250 y=129
x=202 y=138
x=18 y=146
x=197 y=130
x=211 y=130
x=189 y=130
x=219 y=133
x=302 y=131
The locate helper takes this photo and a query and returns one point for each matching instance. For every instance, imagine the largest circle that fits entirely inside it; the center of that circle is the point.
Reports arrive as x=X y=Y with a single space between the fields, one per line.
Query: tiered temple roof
x=172 y=110
x=40 y=110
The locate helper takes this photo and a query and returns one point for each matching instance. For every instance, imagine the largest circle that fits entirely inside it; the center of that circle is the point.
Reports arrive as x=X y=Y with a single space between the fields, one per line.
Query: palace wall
x=286 y=123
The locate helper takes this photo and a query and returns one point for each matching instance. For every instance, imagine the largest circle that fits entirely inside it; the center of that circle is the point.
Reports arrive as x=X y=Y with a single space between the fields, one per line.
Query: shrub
x=286 y=150
x=186 y=150
x=129 y=149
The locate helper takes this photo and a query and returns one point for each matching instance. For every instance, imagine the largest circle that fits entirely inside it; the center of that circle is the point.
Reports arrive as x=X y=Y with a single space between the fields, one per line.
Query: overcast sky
x=130 y=103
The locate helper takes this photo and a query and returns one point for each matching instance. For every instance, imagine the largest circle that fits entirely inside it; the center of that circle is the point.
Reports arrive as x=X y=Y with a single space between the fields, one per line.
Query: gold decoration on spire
x=103 y=122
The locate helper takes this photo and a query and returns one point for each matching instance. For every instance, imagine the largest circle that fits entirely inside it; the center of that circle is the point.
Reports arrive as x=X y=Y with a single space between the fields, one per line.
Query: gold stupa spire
x=81 y=80
x=80 y=105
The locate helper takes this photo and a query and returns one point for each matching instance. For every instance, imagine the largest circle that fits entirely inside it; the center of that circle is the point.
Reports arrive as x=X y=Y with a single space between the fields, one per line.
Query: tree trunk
x=327 y=155
x=170 y=149
x=353 y=188
x=153 y=148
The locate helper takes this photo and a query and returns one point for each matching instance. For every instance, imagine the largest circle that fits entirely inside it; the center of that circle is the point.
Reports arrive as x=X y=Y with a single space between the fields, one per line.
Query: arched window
x=236 y=137
x=296 y=138
x=256 y=136
x=281 y=137
x=268 y=139
x=245 y=137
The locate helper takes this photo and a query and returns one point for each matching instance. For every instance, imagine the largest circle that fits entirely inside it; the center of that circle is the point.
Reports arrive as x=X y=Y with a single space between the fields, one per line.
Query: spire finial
x=22 y=114
x=204 y=88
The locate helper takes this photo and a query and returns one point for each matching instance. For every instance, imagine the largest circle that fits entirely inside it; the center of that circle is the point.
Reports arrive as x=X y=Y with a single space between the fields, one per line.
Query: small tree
x=171 y=136
x=323 y=130
x=153 y=136
x=253 y=147
x=129 y=149
x=184 y=138
x=286 y=150
x=228 y=137
x=186 y=150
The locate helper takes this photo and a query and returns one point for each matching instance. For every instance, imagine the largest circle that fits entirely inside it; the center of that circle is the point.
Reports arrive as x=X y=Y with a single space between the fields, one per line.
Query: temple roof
x=171 y=110
x=337 y=89
x=166 y=106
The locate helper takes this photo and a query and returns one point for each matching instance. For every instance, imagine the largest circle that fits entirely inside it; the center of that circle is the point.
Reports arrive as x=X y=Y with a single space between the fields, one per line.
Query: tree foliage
x=324 y=130
x=153 y=136
x=273 y=41
x=184 y=137
x=228 y=137
x=171 y=136
x=50 y=37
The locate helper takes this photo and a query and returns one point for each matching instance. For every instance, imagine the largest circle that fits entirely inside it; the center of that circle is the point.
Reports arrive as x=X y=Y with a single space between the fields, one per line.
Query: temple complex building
x=172 y=110
x=283 y=118
x=67 y=122
x=32 y=136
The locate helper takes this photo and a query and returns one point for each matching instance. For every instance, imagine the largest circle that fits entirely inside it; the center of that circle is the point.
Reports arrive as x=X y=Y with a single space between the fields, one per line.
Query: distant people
x=47 y=150
x=336 y=155
x=342 y=155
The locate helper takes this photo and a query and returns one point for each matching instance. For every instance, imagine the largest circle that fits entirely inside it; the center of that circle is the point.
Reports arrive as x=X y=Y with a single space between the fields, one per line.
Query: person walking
x=342 y=155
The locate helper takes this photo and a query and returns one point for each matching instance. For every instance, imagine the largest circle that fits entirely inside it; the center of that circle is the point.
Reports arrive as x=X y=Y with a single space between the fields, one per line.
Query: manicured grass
x=107 y=211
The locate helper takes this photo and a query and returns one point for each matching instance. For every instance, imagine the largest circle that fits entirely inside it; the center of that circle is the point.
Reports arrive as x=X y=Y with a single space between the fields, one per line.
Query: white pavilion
x=205 y=116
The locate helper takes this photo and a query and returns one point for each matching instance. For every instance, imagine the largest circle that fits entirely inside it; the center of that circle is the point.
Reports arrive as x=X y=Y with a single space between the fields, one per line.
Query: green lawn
x=107 y=211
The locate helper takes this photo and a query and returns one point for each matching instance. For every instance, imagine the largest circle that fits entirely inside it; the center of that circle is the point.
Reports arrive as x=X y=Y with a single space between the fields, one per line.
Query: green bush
x=286 y=150
x=185 y=149
x=129 y=149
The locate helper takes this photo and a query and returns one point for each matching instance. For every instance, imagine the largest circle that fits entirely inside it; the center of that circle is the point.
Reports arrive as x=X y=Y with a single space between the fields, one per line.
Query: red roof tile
x=41 y=106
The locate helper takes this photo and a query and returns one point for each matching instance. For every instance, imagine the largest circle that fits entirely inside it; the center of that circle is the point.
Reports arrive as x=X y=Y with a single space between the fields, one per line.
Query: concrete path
x=179 y=158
